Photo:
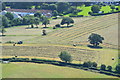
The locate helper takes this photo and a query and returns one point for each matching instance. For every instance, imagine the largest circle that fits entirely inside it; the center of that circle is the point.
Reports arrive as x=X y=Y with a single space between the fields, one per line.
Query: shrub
x=20 y=42
x=95 y=8
x=85 y=64
x=64 y=56
x=117 y=68
x=10 y=42
x=103 y=67
x=109 y=68
x=94 y=64
x=91 y=13
x=57 y=25
x=89 y=64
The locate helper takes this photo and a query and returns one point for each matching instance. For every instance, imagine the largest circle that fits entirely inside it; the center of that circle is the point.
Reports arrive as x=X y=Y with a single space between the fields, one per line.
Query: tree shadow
x=67 y=26
x=31 y=28
x=95 y=47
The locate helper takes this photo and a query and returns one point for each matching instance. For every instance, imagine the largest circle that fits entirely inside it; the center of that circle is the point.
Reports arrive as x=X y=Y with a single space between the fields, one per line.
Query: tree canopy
x=65 y=56
x=67 y=20
x=95 y=8
x=9 y=16
x=95 y=39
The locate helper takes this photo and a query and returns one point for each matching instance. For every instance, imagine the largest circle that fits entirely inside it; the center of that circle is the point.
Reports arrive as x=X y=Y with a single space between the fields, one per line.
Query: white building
x=24 y=12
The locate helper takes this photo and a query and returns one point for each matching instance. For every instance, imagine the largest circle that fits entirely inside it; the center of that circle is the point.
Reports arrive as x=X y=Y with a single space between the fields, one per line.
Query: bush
x=89 y=64
x=94 y=64
x=95 y=8
x=64 y=56
x=109 y=68
x=85 y=64
x=57 y=25
x=10 y=42
x=91 y=13
x=20 y=42
x=103 y=67
x=117 y=68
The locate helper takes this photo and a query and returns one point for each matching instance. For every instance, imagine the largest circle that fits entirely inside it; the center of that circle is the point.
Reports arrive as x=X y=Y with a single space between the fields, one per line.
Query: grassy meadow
x=32 y=70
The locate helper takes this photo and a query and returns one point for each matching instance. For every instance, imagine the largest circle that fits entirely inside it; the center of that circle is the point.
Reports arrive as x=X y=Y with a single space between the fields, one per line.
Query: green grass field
x=32 y=70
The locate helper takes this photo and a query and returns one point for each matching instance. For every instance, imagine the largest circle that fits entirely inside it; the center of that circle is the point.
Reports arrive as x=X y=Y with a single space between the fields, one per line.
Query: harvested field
x=78 y=53
x=107 y=26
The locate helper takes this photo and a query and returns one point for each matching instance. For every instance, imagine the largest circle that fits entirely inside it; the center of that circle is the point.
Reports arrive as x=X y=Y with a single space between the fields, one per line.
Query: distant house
x=24 y=12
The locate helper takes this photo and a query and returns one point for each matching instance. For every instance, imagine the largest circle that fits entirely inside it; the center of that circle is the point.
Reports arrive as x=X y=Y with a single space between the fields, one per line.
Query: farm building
x=24 y=12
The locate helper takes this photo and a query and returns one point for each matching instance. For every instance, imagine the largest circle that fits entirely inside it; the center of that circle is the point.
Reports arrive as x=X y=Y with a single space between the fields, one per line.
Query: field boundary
x=59 y=63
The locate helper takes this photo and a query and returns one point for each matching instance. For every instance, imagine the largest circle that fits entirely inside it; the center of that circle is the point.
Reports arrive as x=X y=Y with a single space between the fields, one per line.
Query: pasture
x=23 y=70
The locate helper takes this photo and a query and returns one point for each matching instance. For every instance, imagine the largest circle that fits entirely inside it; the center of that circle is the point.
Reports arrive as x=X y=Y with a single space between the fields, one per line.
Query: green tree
x=67 y=20
x=109 y=68
x=95 y=39
x=65 y=56
x=2 y=30
x=5 y=22
x=38 y=14
x=94 y=64
x=36 y=21
x=52 y=7
x=9 y=15
x=45 y=6
x=95 y=8
x=112 y=7
x=45 y=21
x=16 y=21
x=117 y=68
x=55 y=13
x=3 y=6
x=87 y=64
x=62 y=6
x=103 y=67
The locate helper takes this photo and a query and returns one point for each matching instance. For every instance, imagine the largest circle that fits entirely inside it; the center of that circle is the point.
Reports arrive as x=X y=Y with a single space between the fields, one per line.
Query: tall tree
x=62 y=6
x=117 y=68
x=2 y=30
x=95 y=8
x=52 y=7
x=45 y=21
x=65 y=56
x=9 y=15
x=95 y=39
x=67 y=20
x=5 y=22
x=36 y=21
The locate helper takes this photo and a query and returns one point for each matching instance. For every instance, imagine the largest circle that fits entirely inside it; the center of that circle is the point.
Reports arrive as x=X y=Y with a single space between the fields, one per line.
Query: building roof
x=28 y=10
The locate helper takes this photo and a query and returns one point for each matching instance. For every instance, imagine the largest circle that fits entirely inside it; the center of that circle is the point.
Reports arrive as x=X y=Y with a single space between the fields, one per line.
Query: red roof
x=29 y=10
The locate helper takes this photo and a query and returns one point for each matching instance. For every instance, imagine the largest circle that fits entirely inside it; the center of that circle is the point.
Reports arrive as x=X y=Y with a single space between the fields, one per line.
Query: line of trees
x=8 y=20
x=67 y=58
